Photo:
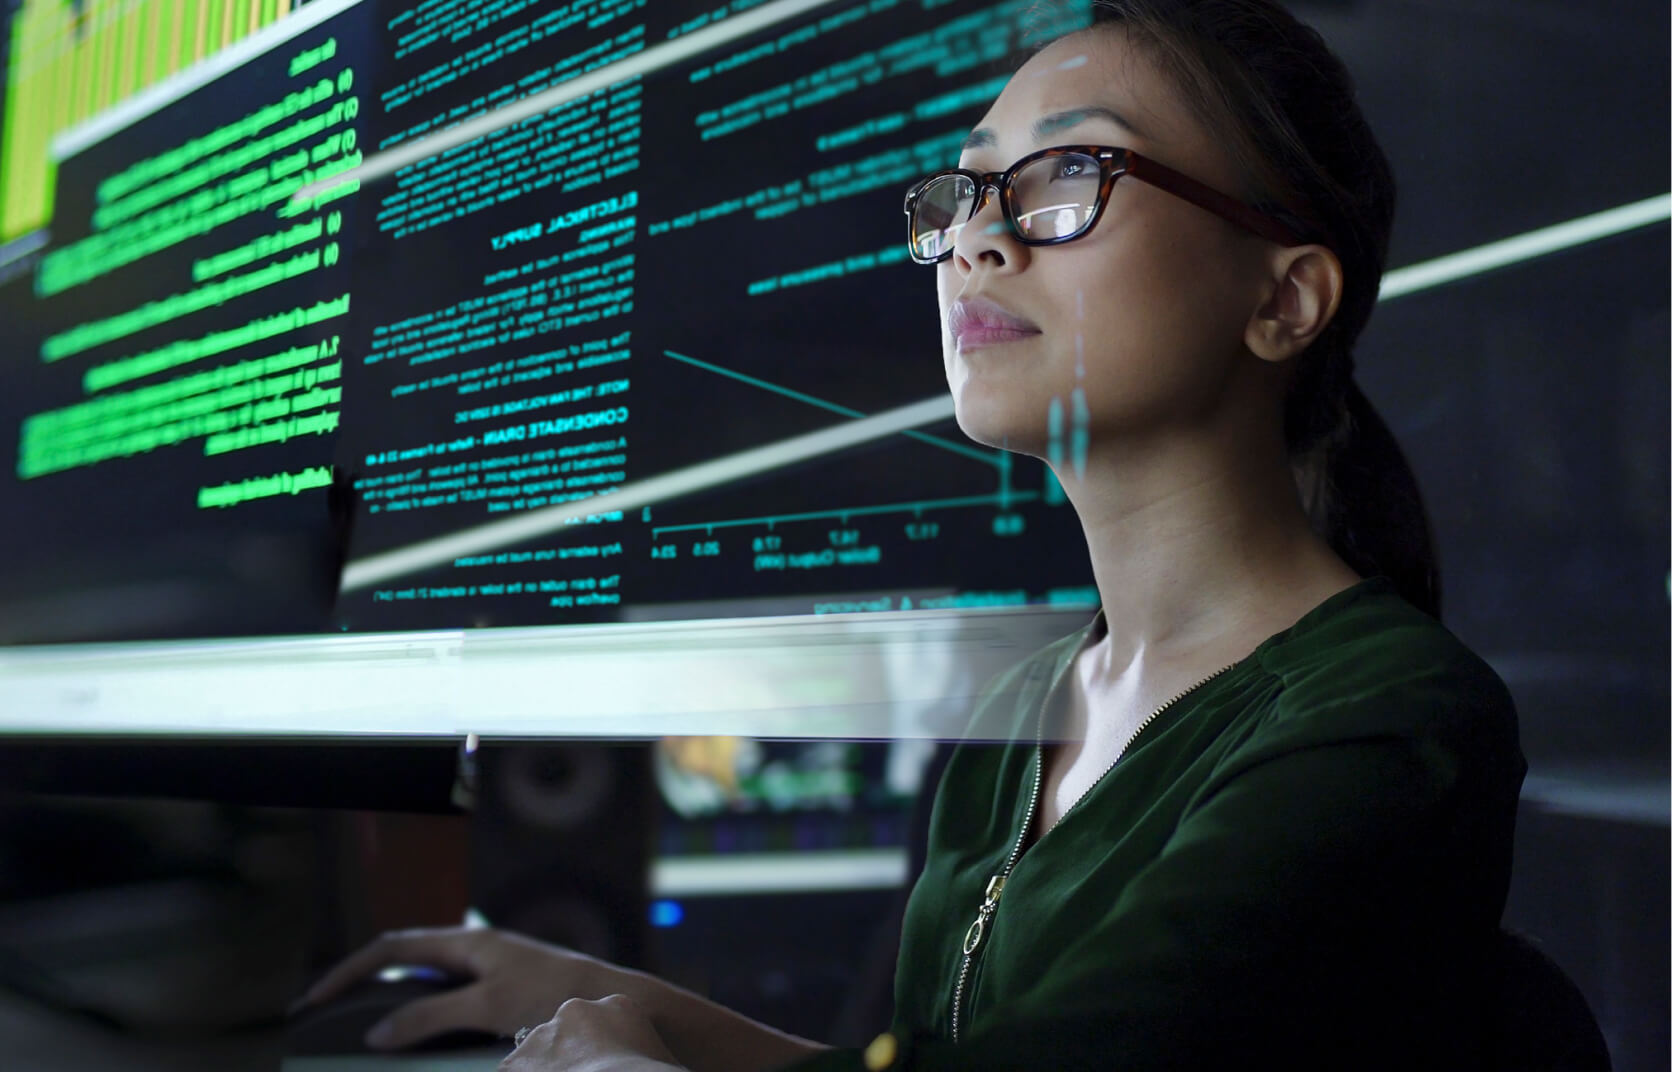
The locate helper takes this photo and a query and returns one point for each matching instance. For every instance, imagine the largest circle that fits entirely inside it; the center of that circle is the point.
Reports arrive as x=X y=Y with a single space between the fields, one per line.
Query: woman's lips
x=972 y=337
x=976 y=322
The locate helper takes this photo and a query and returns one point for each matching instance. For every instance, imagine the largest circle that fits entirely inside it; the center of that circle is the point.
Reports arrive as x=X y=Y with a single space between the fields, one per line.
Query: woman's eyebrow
x=1056 y=121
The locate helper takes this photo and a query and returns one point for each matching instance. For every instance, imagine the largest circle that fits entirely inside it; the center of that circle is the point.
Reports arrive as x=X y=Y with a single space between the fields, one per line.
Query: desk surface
x=486 y=1060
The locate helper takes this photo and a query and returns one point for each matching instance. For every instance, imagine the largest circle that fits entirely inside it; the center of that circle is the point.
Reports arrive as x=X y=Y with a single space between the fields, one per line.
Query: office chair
x=1542 y=1022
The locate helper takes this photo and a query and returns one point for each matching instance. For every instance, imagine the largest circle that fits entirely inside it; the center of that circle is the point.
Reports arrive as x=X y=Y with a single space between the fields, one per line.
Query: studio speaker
x=560 y=848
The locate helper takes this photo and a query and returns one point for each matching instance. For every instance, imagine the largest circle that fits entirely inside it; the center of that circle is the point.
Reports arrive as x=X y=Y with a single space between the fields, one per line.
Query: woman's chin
x=997 y=420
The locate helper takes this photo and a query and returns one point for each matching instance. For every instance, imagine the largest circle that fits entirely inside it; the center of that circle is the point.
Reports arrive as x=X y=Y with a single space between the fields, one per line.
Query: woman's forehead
x=1083 y=78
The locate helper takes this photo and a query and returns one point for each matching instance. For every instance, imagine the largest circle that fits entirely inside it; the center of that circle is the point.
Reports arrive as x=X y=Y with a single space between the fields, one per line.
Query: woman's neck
x=1201 y=557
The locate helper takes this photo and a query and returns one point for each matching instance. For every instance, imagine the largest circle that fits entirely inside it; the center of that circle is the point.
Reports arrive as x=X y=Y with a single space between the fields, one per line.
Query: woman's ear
x=1305 y=291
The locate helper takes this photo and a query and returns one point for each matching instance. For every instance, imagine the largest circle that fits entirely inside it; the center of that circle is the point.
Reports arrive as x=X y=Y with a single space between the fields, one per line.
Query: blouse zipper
x=995 y=885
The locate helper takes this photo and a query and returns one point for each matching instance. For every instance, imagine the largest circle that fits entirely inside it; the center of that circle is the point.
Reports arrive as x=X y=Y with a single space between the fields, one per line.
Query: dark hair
x=1285 y=106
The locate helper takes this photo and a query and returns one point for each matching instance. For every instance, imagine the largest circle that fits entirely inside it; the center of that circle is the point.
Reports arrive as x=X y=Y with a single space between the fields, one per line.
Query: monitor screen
x=677 y=266
x=233 y=376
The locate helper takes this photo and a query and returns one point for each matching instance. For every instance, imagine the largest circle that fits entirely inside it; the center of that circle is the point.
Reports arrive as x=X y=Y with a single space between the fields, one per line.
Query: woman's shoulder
x=1368 y=660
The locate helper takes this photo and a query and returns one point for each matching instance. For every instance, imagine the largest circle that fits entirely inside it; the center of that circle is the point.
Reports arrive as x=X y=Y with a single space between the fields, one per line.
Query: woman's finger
x=451 y=949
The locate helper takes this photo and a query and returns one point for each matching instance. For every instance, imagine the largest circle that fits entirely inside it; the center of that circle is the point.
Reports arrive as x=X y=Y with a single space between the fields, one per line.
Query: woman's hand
x=518 y=982
x=590 y=1036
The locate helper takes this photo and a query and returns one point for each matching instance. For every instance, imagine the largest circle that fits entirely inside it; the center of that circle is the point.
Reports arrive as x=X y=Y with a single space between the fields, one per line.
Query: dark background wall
x=1533 y=404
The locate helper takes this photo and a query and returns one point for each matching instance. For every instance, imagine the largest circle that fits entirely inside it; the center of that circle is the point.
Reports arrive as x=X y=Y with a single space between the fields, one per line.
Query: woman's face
x=1144 y=315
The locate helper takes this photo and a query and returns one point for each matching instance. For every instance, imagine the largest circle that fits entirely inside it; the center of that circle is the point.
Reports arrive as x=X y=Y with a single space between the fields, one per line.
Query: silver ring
x=521 y=1035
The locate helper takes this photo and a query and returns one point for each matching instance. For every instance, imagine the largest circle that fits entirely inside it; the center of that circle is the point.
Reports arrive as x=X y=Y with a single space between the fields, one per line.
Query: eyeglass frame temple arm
x=1176 y=182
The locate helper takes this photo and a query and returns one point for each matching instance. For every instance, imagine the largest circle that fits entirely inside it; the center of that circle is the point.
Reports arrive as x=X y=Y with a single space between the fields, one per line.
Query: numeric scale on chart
x=845 y=543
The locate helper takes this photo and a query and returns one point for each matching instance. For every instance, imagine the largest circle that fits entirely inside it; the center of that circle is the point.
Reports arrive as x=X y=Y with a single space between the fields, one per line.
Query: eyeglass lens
x=1050 y=198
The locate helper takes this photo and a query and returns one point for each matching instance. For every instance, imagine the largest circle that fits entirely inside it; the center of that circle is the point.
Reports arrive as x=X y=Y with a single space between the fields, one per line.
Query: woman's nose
x=987 y=239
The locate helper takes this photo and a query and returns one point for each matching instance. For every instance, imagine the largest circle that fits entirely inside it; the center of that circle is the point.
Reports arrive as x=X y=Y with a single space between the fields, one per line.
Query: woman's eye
x=1070 y=169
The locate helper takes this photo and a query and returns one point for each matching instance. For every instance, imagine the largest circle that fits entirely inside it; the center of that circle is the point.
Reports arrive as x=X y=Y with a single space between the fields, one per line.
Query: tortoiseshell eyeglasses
x=1056 y=195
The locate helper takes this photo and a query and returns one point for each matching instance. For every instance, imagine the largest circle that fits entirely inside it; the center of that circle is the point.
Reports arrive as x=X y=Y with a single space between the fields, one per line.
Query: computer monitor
x=221 y=392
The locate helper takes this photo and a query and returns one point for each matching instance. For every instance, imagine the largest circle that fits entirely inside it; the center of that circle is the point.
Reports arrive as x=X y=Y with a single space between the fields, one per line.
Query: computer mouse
x=338 y=1026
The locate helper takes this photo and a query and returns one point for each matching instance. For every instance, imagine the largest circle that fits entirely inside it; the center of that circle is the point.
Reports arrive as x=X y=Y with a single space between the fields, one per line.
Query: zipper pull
x=989 y=905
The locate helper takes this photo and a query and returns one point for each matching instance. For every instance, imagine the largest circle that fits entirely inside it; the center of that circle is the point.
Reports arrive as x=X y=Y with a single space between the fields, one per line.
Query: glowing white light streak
x=657 y=489
x=831 y=869
x=22 y=247
x=1525 y=247
x=744 y=677
x=934 y=243
x=1070 y=208
x=651 y=59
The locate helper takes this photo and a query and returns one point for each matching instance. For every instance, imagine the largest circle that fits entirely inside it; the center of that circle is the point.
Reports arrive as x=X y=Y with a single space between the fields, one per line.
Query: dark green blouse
x=1302 y=863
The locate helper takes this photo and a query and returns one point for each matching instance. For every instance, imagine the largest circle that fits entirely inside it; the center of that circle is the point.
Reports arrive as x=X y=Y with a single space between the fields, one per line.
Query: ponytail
x=1371 y=509
x=1286 y=108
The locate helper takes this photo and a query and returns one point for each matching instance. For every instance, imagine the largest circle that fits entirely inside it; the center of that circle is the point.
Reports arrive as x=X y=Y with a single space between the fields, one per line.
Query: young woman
x=1268 y=815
